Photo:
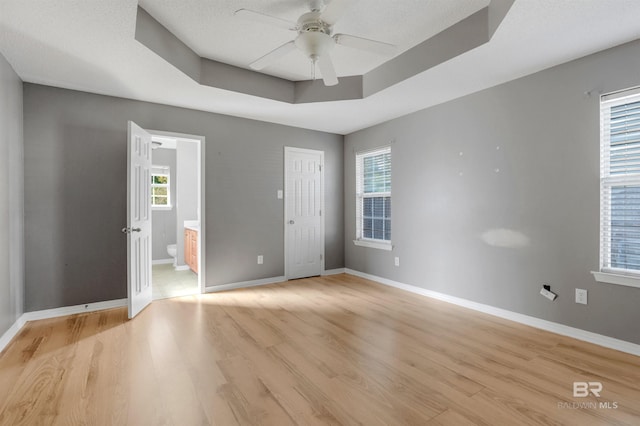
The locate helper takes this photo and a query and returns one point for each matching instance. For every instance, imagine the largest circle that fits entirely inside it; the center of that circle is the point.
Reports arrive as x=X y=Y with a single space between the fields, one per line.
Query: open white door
x=304 y=227
x=138 y=228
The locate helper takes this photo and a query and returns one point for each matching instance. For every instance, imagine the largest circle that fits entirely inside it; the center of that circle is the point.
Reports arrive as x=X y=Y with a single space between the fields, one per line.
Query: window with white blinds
x=620 y=183
x=373 y=196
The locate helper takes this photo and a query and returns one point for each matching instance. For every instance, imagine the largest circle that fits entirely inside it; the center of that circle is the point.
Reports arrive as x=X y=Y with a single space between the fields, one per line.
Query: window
x=160 y=187
x=373 y=198
x=620 y=186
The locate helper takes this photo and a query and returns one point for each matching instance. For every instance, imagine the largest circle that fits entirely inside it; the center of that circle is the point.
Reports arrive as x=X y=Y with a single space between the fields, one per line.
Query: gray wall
x=547 y=189
x=75 y=193
x=164 y=221
x=11 y=197
x=188 y=190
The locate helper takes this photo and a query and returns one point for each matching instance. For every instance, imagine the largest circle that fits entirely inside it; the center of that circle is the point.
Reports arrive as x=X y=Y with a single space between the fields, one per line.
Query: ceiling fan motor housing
x=314 y=35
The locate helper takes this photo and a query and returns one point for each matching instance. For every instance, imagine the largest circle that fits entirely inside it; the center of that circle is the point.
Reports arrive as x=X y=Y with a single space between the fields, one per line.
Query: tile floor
x=167 y=282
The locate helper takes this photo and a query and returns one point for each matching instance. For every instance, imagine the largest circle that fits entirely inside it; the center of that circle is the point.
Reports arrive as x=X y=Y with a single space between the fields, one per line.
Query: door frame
x=288 y=150
x=202 y=246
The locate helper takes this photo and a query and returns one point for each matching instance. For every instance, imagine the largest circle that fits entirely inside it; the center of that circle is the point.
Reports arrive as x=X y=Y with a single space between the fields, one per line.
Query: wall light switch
x=279 y=194
x=260 y=260
x=581 y=296
x=396 y=261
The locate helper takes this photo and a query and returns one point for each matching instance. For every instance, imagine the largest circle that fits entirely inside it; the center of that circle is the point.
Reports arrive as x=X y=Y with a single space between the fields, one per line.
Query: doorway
x=304 y=207
x=177 y=219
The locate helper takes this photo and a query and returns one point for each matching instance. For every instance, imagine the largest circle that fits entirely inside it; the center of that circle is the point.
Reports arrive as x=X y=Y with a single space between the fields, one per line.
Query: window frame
x=360 y=240
x=164 y=171
x=606 y=273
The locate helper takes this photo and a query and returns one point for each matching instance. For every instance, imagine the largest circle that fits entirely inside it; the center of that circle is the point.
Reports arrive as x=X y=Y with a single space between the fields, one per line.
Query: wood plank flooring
x=331 y=350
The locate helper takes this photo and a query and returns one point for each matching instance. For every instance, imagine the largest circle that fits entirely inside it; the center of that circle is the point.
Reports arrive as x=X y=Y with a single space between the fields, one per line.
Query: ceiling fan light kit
x=315 y=37
x=314 y=43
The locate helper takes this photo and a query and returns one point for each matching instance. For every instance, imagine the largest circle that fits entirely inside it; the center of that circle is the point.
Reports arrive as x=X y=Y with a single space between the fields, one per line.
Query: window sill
x=374 y=244
x=618 y=279
x=161 y=208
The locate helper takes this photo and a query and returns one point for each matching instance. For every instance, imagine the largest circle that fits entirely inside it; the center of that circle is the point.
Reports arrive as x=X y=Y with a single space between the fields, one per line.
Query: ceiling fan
x=315 y=37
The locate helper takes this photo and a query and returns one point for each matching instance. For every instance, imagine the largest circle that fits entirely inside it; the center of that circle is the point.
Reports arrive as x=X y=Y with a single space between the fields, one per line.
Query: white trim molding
x=619 y=279
x=374 y=244
x=333 y=271
x=171 y=139
x=565 y=330
x=56 y=312
x=77 y=309
x=243 y=284
x=162 y=261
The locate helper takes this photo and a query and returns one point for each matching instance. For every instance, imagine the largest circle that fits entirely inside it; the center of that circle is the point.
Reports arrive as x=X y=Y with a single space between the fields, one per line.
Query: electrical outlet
x=260 y=260
x=548 y=294
x=396 y=261
x=279 y=194
x=581 y=296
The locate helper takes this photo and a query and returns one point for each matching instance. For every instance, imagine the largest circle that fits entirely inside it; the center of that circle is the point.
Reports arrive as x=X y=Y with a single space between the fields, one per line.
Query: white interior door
x=138 y=228
x=304 y=226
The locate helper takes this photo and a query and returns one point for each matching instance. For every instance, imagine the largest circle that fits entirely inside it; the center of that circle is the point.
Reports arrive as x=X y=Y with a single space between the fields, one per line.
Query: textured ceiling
x=89 y=45
x=213 y=32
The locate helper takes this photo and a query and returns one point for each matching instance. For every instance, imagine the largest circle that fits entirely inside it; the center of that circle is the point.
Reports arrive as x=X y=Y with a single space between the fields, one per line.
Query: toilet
x=173 y=252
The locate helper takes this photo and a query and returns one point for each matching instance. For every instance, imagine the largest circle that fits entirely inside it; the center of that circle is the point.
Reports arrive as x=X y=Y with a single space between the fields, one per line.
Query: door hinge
x=320 y=257
x=320 y=167
x=320 y=212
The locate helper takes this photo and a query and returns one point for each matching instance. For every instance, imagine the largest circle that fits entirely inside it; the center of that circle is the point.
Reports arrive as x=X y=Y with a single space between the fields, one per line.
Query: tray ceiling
x=90 y=46
x=213 y=32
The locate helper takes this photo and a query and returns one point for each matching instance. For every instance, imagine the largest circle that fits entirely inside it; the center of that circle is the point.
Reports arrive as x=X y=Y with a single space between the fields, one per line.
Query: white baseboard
x=11 y=332
x=333 y=271
x=56 y=312
x=77 y=309
x=243 y=284
x=565 y=330
x=182 y=268
x=161 y=261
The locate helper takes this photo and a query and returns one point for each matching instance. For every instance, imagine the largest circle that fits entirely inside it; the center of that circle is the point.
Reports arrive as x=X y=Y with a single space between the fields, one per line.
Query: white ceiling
x=89 y=45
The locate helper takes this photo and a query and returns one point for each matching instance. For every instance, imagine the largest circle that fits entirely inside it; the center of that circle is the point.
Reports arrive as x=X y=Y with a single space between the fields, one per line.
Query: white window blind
x=620 y=183
x=373 y=195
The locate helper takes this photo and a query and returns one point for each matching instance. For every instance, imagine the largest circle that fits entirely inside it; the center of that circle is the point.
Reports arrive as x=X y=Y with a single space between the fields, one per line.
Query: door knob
x=291 y=222
x=126 y=230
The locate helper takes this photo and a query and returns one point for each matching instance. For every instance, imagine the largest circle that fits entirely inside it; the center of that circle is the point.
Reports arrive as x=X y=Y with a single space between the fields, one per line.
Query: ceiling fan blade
x=273 y=56
x=252 y=15
x=328 y=72
x=334 y=10
x=365 y=44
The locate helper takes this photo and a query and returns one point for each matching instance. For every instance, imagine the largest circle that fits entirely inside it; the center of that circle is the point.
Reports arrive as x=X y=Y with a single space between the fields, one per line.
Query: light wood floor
x=332 y=350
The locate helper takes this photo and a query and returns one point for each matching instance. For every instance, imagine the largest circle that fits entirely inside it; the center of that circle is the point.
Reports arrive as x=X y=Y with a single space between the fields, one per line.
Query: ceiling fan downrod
x=314 y=61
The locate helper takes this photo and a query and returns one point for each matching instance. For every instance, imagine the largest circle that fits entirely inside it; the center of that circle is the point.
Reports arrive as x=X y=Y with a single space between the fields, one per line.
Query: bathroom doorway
x=177 y=217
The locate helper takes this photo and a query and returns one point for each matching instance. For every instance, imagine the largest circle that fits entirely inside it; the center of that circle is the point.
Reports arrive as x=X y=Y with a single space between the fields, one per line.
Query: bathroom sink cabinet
x=191 y=249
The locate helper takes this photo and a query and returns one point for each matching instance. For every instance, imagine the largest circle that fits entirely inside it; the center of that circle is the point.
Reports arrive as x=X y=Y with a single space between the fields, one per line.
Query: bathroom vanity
x=191 y=247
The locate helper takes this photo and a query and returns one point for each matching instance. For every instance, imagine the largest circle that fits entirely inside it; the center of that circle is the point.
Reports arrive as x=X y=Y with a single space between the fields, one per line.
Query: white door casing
x=138 y=230
x=304 y=207
x=202 y=214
